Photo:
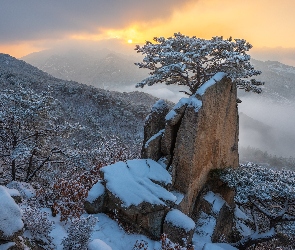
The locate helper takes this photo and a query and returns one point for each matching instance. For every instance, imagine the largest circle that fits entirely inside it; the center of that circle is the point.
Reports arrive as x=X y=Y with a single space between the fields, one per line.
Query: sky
x=34 y=25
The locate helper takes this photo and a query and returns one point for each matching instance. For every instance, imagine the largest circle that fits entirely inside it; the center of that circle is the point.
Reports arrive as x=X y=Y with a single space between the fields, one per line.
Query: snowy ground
x=108 y=231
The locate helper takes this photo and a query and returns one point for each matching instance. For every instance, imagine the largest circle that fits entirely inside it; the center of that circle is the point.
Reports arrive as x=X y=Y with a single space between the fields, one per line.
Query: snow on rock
x=160 y=133
x=179 y=196
x=98 y=244
x=10 y=215
x=7 y=246
x=97 y=190
x=218 y=246
x=134 y=182
x=159 y=105
x=216 y=78
x=182 y=102
x=179 y=219
x=204 y=230
x=12 y=191
x=215 y=200
x=195 y=103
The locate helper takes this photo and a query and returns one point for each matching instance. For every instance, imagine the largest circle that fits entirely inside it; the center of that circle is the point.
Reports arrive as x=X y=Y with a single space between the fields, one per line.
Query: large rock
x=94 y=202
x=136 y=190
x=178 y=227
x=207 y=138
x=154 y=123
x=11 y=223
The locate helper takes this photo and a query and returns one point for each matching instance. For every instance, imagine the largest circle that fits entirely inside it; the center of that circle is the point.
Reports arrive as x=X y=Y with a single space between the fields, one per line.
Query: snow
x=132 y=182
x=239 y=214
x=195 y=103
x=98 y=244
x=7 y=246
x=179 y=197
x=113 y=235
x=159 y=106
x=12 y=191
x=163 y=162
x=26 y=190
x=217 y=77
x=179 y=219
x=183 y=101
x=160 y=133
x=204 y=229
x=170 y=115
x=10 y=214
x=97 y=190
x=216 y=201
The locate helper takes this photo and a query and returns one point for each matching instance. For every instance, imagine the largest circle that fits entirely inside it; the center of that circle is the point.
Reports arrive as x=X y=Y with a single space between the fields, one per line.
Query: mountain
x=110 y=70
x=279 y=81
x=100 y=68
x=104 y=121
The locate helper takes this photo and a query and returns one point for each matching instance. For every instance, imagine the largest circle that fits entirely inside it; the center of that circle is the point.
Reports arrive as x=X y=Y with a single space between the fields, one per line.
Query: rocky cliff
x=200 y=134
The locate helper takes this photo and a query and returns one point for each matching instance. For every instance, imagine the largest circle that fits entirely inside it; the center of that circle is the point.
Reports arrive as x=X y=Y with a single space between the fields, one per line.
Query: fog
x=271 y=129
x=276 y=131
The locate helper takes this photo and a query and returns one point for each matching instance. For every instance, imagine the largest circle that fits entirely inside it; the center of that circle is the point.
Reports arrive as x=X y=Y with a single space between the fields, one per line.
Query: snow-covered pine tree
x=192 y=61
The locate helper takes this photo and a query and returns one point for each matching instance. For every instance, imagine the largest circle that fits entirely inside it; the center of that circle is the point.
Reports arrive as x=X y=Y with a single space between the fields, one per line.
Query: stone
x=214 y=205
x=207 y=139
x=152 y=148
x=178 y=227
x=11 y=223
x=94 y=203
x=136 y=191
x=173 y=120
x=154 y=123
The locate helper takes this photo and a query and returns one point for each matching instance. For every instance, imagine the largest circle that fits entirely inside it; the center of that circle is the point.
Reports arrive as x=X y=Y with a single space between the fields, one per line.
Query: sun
x=129 y=41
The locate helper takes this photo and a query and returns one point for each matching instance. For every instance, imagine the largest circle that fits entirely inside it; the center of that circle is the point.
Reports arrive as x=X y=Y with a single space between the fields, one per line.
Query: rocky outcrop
x=11 y=223
x=157 y=194
x=178 y=227
x=154 y=123
x=137 y=190
x=201 y=134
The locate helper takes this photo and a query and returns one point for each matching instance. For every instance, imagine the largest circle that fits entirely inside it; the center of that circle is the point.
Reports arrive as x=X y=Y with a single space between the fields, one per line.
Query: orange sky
x=264 y=23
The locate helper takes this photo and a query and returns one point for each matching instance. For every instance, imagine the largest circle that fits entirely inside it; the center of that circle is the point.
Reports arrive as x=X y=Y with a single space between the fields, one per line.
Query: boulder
x=136 y=190
x=11 y=223
x=178 y=227
x=95 y=199
x=152 y=148
x=214 y=205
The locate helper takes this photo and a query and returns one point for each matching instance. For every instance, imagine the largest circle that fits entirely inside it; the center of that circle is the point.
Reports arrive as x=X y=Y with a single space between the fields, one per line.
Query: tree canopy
x=192 y=61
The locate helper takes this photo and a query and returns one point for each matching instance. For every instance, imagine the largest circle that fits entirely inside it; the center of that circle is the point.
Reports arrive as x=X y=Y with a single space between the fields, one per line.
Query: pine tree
x=192 y=61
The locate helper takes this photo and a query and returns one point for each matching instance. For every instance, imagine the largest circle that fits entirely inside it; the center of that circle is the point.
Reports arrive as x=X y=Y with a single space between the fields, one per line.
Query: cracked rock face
x=204 y=137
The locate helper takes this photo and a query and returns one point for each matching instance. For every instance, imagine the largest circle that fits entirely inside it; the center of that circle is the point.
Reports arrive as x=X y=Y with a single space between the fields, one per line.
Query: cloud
x=35 y=19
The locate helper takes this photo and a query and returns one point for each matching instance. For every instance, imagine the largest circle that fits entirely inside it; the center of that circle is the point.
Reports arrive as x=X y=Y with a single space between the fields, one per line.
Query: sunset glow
x=264 y=23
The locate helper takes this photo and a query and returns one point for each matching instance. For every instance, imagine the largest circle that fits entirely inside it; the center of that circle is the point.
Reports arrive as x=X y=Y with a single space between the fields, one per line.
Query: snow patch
x=160 y=133
x=10 y=214
x=216 y=78
x=96 y=191
x=179 y=197
x=7 y=246
x=98 y=245
x=26 y=190
x=183 y=101
x=179 y=219
x=132 y=182
x=216 y=201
